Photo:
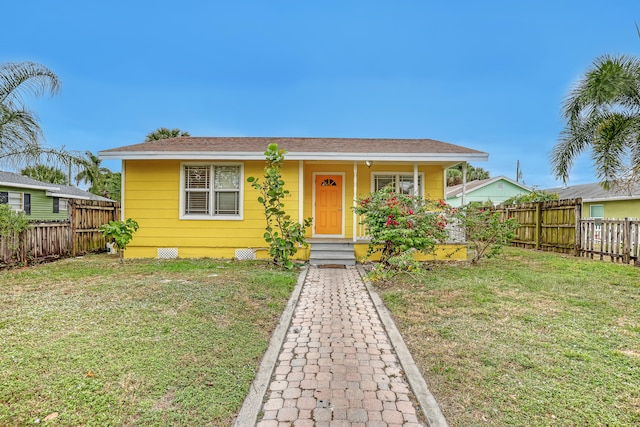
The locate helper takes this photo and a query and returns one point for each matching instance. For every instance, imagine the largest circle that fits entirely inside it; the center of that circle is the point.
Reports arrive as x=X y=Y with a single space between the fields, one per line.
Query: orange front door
x=328 y=215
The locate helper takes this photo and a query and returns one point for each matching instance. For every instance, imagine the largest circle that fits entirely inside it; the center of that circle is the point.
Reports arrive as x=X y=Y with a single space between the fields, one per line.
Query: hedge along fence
x=549 y=226
x=78 y=235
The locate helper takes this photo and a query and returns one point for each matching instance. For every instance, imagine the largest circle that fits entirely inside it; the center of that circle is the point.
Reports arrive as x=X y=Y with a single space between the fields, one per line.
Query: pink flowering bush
x=397 y=223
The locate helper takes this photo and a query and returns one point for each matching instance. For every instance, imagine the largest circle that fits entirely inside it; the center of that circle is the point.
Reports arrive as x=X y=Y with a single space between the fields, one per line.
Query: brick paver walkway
x=337 y=366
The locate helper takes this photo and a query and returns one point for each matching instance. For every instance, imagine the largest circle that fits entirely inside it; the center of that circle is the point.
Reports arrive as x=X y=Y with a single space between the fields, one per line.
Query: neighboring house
x=494 y=190
x=39 y=200
x=191 y=196
x=600 y=203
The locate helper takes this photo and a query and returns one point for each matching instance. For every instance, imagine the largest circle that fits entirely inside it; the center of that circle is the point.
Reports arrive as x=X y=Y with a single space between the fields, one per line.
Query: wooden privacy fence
x=86 y=217
x=550 y=226
x=557 y=226
x=49 y=240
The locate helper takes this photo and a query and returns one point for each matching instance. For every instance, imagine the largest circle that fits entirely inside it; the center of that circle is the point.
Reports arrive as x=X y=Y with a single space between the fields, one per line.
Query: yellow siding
x=152 y=197
x=442 y=253
x=615 y=209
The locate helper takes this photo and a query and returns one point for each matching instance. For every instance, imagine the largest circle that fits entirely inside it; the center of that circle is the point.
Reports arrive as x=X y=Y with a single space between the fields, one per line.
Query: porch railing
x=456 y=232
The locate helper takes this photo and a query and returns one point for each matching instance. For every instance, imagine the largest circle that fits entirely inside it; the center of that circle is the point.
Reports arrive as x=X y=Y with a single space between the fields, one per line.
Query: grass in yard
x=529 y=339
x=150 y=343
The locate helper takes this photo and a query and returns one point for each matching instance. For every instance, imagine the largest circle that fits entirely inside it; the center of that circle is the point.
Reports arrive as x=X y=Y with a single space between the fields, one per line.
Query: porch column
x=122 y=189
x=355 y=200
x=464 y=183
x=301 y=191
x=415 y=180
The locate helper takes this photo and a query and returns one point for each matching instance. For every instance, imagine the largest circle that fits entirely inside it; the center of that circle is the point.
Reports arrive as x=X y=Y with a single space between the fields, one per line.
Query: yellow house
x=191 y=197
x=616 y=203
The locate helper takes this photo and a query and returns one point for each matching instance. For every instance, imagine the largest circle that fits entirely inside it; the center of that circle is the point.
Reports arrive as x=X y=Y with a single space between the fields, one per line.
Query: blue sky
x=489 y=75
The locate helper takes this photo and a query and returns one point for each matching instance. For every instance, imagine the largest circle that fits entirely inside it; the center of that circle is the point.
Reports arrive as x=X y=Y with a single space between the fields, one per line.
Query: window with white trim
x=212 y=191
x=14 y=199
x=596 y=211
x=59 y=205
x=401 y=182
x=20 y=202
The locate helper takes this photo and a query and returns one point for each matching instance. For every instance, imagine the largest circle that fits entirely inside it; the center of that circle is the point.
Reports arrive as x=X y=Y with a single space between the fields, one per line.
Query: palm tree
x=603 y=113
x=454 y=174
x=45 y=173
x=20 y=132
x=165 y=133
x=92 y=173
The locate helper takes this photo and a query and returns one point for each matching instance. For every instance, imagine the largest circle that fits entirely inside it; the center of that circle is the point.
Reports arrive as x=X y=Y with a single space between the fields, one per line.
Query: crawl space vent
x=167 y=253
x=245 y=254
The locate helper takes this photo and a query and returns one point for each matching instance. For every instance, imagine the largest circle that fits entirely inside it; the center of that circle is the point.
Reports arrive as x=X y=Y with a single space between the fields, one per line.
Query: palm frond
x=611 y=81
x=18 y=127
x=610 y=148
x=603 y=113
x=574 y=140
x=18 y=79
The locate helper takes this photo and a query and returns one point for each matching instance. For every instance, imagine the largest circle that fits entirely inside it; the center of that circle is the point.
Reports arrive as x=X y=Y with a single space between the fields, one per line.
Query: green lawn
x=150 y=343
x=529 y=339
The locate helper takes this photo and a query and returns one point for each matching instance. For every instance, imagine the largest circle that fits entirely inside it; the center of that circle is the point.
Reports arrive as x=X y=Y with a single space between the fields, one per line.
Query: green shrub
x=119 y=232
x=12 y=223
x=484 y=231
x=282 y=234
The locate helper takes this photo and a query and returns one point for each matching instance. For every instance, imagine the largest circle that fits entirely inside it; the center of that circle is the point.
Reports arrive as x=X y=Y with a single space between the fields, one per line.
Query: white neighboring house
x=495 y=190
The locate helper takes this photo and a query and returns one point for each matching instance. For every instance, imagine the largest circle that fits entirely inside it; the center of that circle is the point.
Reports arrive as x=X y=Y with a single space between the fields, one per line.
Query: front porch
x=328 y=191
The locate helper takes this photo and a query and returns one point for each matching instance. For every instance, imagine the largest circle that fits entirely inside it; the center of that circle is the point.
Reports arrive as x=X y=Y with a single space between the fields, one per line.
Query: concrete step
x=332 y=253
x=341 y=246
x=331 y=262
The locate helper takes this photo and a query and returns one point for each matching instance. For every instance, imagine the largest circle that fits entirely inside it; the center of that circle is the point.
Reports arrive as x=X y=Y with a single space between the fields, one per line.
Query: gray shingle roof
x=594 y=191
x=9 y=178
x=297 y=147
x=76 y=193
x=19 y=181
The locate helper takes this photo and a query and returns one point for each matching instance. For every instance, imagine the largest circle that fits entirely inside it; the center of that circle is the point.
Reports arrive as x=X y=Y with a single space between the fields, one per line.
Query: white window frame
x=15 y=194
x=596 y=206
x=397 y=179
x=63 y=204
x=211 y=165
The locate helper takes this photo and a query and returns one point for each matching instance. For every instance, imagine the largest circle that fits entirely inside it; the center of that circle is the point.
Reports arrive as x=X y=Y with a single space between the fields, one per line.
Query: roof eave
x=30 y=186
x=610 y=199
x=67 y=196
x=403 y=157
